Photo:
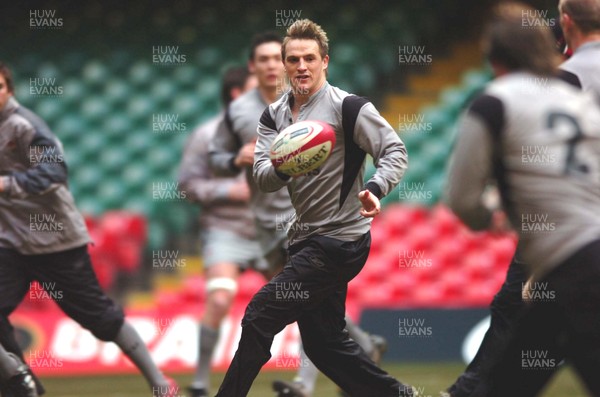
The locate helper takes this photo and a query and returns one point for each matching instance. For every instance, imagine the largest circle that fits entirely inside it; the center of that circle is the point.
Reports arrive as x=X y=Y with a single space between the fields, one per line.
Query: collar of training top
x=312 y=98
x=9 y=108
x=588 y=46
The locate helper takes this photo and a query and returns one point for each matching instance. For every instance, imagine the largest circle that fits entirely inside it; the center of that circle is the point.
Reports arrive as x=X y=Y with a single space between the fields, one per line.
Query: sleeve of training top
x=223 y=149
x=195 y=178
x=470 y=172
x=265 y=175
x=47 y=170
x=374 y=135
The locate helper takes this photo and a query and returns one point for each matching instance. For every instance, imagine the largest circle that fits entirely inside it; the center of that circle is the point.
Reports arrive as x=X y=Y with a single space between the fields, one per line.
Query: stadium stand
x=113 y=92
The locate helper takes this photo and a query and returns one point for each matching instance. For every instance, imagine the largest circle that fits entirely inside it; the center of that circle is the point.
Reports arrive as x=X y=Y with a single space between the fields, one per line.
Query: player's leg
x=302 y=286
x=322 y=328
x=525 y=365
x=576 y=285
x=14 y=284
x=505 y=308
x=224 y=253
x=221 y=286
x=568 y=318
x=71 y=273
x=264 y=318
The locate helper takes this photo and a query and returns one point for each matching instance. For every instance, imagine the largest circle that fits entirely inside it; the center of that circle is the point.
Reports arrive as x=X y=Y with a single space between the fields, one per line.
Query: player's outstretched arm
x=376 y=136
x=266 y=177
x=470 y=173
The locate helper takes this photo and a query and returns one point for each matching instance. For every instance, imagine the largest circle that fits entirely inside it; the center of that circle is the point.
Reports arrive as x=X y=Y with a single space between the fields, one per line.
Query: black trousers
x=311 y=290
x=69 y=280
x=568 y=318
x=506 y=308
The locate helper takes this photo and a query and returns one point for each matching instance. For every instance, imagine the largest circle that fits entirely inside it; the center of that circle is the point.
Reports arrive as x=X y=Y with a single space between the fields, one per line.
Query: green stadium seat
x=49 y=70
x=140 y=108
x=163 y=90
x=116 y=91
x=454 y=99
x=91 y=144
x=95 y=108
x=136 y=175
x=112 y=193
x=87 y=177
x=208 y=57
x=90 y=206
x=74 y=91
x=95 y=73
x=185 y=75
x=187 y=105
x=113 y=159
x=141 y=73
x=116 y=127
x=48 y=109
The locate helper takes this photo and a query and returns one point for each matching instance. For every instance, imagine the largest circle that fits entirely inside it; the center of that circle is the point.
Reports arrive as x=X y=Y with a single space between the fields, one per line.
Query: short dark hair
x=234 y=77
x=516 y=47
x=7 y=74
x=262 y=38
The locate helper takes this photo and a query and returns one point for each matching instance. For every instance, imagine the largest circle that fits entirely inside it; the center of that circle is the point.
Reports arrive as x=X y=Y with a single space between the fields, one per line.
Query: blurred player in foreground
x=232 y=151
x=331 y=246
x=581 y=28
x=228 y=234
x=552 y=199
x=43 y=237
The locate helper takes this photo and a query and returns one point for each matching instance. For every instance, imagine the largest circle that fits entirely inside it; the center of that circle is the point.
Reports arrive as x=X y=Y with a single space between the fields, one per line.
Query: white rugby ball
x=302 y=147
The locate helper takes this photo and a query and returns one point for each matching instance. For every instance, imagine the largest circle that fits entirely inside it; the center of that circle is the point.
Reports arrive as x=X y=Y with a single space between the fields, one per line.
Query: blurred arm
x=471 y=165
x=266 y=177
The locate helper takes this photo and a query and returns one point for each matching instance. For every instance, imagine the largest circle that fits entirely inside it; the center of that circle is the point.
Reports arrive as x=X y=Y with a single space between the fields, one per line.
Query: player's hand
x=370 y=204
x=239 y=192
x=245 y=156
x=500 y=223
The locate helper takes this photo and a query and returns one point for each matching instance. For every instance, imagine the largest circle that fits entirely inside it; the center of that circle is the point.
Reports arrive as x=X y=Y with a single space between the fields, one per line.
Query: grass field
x=430 y=378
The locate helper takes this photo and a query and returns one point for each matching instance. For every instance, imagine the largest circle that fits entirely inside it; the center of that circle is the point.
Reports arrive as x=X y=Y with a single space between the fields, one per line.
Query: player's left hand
x=370 y=204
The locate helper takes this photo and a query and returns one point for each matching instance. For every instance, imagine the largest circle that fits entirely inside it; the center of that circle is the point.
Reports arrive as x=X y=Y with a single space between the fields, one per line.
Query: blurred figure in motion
x=538 y=138
x=43 y=238
x=580 y=21
x=228 y=233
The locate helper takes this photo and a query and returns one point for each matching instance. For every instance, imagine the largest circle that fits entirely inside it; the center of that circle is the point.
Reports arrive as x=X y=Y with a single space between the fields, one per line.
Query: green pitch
x=430 y=378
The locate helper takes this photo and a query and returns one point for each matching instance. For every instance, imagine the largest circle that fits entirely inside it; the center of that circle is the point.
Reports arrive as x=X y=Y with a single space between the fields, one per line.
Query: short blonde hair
x=306 y=29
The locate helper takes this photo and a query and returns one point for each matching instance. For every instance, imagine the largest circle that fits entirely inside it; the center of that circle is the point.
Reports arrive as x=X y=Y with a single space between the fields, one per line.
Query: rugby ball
x=302 y=147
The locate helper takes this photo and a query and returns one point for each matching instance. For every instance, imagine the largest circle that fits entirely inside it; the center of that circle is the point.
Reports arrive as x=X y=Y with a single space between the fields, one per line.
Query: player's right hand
x=245 y=157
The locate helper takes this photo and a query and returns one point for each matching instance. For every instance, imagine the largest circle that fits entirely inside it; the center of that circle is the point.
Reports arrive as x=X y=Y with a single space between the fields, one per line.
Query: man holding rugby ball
x=332 y=244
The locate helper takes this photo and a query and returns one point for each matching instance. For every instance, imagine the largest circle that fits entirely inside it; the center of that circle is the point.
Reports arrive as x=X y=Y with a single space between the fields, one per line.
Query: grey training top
x=212 y=193
x=272 y=210
x=539 y=138
x=585 y=64
x=326 y=201
x=37 y=211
